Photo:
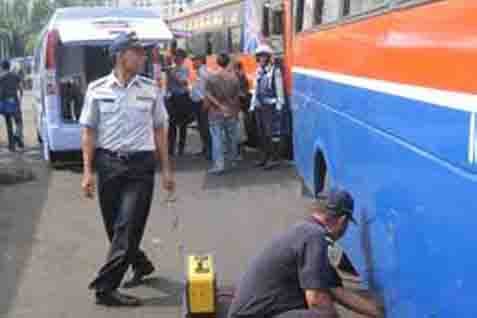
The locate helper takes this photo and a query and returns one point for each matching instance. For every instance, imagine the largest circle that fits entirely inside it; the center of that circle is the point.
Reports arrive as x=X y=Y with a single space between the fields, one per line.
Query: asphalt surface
x=52 y=240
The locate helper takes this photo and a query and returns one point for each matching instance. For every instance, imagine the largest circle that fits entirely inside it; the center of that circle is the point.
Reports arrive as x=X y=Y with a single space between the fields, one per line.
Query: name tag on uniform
x=144 y=99
x=107 y=105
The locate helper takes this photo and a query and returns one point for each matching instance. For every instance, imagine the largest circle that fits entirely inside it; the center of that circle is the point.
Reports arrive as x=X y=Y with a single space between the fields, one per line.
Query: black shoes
x=139 y=273
x=271 y=164
x=145 y=270
x=20 y=143
x=115 y=298
x=261 y=163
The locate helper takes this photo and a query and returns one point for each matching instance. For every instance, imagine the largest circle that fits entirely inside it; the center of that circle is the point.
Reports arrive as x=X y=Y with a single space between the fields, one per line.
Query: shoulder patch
x=146 y=80
x=98 y=82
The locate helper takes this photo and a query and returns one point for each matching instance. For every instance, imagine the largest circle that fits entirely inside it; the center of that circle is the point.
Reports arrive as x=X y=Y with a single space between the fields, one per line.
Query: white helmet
x=264 y=49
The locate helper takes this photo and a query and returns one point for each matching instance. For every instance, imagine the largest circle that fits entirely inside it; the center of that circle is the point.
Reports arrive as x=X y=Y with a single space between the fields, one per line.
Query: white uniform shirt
x=124 y=117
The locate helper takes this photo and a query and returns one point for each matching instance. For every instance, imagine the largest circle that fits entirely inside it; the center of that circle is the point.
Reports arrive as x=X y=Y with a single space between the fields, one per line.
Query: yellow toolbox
x=200 y=285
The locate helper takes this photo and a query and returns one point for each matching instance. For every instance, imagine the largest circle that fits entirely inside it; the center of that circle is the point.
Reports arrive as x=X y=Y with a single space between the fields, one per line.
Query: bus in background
x=66 y=61
x=384 y=105
x=218 y=26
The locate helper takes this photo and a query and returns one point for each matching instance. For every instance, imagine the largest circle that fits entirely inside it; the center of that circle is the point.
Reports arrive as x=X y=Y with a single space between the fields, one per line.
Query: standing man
x=197 y=96
x=124 y=132
x=179 y=103
x=11 y=92
x=223 y=105
x=268 y=101
x=293 y=278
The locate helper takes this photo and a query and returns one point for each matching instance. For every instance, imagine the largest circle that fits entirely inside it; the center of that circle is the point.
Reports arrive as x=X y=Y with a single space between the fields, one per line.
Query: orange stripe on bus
x=432 y=45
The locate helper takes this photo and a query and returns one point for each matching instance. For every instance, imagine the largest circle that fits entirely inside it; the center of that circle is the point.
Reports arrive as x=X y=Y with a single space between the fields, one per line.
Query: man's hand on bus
x=278 y=106
x=88 y=185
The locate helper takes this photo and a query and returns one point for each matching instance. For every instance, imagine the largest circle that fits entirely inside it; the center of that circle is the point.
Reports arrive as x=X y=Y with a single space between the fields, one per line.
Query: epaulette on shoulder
x=97 y=83
x=146 y=80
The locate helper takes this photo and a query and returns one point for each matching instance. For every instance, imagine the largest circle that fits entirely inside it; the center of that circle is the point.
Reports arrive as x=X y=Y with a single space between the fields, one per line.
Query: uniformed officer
x=125 y=127
x=268 y=101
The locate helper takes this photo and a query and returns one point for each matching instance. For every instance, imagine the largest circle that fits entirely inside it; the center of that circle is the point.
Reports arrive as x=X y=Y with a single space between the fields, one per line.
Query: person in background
x=11 y=92
x=179 y=103
x=268 y=101
x=197 y=96
x=244 y=97
x=223 y=105
x=292 y=277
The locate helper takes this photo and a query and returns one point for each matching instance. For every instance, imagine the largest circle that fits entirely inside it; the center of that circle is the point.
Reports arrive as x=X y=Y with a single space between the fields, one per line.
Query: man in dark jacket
x=11 y=93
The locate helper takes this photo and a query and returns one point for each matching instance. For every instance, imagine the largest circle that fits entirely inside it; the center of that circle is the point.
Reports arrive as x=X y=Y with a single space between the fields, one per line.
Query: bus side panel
x=404 y=160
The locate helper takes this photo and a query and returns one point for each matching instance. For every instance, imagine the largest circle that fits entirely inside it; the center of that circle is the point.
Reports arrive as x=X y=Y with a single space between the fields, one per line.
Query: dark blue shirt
x=277 y=278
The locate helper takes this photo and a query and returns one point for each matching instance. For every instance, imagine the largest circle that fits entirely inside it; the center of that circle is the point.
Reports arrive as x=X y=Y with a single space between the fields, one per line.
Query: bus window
x=299 y=12
x=277 y=22
x=327 y=11
x=218 y=42
x=357 y=7
x=235 y=37
x=266 y=20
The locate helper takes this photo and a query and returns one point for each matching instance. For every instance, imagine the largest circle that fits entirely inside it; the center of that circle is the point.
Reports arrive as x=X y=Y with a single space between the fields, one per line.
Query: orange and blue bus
x=384 y=105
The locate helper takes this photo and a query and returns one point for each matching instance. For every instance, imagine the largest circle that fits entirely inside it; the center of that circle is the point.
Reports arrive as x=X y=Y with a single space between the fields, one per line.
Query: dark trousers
x=181 y=115
x=203 y=122
x=18 y=118
x=125 y=190
x=266 y=132
x=299 y=313
x=10 y=133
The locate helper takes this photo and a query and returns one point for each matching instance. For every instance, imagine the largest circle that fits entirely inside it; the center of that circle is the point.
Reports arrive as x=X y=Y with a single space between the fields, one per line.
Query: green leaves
x=21 y=22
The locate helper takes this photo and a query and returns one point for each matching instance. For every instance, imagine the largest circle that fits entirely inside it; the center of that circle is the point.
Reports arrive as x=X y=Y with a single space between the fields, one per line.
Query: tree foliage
x=21 y=21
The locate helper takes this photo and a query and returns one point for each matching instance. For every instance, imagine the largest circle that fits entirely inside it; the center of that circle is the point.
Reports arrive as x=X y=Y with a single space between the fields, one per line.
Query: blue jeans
x=225 y=134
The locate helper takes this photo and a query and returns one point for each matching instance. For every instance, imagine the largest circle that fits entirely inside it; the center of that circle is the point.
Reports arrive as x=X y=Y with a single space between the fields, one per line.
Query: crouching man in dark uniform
x=293 y=278
x=124 y=132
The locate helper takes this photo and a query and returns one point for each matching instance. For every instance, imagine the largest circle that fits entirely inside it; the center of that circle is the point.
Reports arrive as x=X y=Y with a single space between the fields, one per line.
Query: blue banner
x=252 y=36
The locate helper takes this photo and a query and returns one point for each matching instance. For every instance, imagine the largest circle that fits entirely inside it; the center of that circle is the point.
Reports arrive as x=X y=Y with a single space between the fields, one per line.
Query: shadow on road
x=246 y=175
x=21 y=206
x=172 y=291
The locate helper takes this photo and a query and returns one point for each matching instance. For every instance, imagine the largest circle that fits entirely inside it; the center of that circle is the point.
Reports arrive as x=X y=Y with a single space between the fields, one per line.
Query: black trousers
x=203 y=122
x=125 y=191
x=299 y=313
x=10 y=134
x=266 y=131
x=181 y=115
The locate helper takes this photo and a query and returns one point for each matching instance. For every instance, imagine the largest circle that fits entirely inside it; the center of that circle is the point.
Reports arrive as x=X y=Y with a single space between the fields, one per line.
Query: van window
x=357 y=7
x=326 y=11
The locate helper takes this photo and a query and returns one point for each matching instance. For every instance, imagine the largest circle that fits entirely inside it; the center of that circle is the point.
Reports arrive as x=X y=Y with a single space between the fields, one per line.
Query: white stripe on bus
x=443 y=98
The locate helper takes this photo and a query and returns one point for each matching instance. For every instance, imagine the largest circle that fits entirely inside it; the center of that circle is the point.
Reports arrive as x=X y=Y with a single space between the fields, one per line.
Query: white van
x=73 y=52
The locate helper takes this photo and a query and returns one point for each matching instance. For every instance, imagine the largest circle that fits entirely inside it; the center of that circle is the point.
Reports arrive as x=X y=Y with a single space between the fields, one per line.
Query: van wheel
x=38 y=137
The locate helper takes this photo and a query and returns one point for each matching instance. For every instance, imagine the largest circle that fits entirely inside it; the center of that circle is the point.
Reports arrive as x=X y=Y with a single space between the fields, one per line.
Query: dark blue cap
x=125 y=41
x=338 y=203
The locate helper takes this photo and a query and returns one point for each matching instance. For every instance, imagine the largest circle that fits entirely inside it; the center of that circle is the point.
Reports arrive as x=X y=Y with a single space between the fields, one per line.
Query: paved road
x=52 y=240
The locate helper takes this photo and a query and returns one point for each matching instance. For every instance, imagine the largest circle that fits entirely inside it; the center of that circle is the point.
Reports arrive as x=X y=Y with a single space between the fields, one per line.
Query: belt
x=125 y=155
x=268 y=100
